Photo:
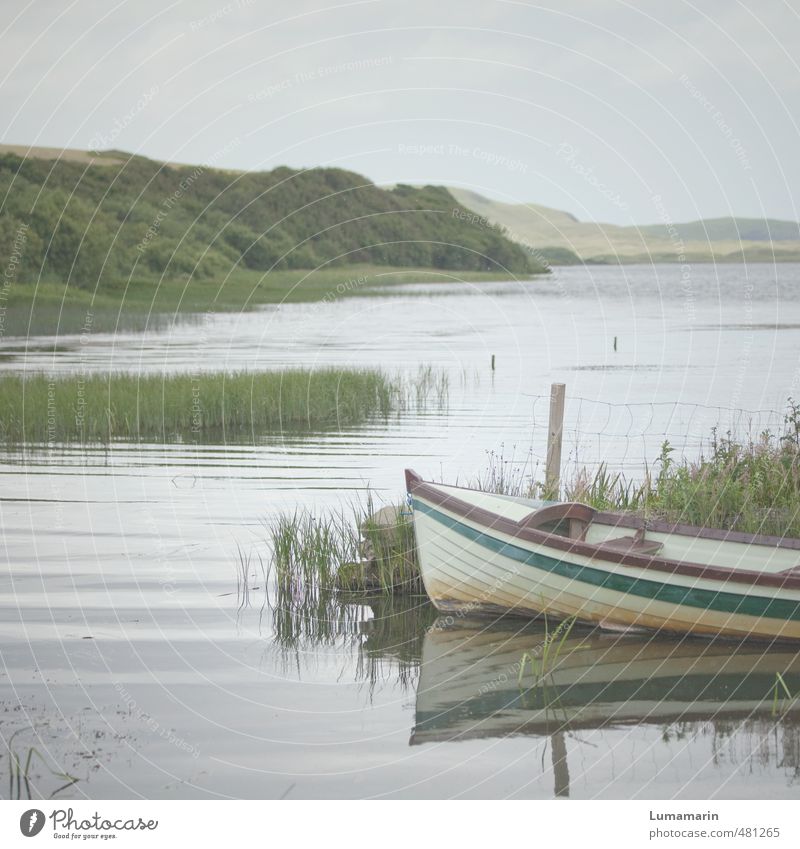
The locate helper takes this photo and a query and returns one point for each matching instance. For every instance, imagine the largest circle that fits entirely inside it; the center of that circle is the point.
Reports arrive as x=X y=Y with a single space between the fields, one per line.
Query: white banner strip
x=456 y=823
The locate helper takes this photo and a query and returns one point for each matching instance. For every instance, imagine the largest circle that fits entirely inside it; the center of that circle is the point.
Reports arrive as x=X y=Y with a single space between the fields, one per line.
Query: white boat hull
x=469 y=565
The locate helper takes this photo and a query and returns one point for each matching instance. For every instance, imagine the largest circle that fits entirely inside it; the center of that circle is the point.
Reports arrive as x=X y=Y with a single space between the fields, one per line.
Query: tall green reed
x=202 y=406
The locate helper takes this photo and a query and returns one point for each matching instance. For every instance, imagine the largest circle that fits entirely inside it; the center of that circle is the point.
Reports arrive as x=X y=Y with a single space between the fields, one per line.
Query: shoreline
x=57 y=308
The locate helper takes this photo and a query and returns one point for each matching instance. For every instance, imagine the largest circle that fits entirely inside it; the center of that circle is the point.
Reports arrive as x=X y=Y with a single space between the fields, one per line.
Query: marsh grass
x=429 y=384
x=394 y=568
x=543 y=660
x=780 y=692
x=245 y=572
x=348 y=551
x=202 y=407
x=506 y=475
x=750 y=484
x=323 y=584
x=308 y=551
x=306 y=554
x=326 y=591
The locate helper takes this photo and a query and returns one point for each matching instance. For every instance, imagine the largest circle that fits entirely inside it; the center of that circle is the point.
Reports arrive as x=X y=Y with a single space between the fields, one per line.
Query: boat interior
x=632 y=534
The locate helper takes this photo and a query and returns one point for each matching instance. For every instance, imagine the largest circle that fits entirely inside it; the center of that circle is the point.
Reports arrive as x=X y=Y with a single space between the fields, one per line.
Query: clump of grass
x=349 y=552
x=328 y=568
x=199 y=407
x=308 y=551
x=605 y=490
x=429 y=383
x=544 y=659
x=245 y=571
x=780 y=691
x=390 y=552
x=750 y=485
x=506 y=475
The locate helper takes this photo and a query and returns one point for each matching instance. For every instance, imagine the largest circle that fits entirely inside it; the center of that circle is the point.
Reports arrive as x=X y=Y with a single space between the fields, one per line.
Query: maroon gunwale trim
x=494 y=521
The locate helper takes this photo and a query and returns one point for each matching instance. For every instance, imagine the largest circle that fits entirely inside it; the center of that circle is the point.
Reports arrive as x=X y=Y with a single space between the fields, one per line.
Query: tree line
x=102 y=224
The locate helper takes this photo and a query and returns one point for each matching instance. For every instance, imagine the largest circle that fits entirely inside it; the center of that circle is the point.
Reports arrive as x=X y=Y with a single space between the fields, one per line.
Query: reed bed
x=348 y=551
x=751 y=485
x=741 y=484
x=330 y=568
x=504 y=475
x=203 y=407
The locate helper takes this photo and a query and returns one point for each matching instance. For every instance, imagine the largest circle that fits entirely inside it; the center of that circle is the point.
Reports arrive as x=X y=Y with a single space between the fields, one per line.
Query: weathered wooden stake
x=492 y=362
x=560 y=766
x=615 y=343
x=554 y=436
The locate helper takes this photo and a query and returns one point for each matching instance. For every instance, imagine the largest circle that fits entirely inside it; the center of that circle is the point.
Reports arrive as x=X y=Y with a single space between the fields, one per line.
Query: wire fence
x=628 y=437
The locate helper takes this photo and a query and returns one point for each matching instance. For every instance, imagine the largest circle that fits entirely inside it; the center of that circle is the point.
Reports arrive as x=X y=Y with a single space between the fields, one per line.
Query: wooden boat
x=481 y=552
x=476 y=682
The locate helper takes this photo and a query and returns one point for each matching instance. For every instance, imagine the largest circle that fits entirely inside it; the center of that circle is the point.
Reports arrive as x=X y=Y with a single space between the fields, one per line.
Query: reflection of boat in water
x=470 y=683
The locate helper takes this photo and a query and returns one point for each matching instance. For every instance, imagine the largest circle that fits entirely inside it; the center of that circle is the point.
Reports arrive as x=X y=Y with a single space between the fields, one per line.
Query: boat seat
x=578 y=515
x=632 y=545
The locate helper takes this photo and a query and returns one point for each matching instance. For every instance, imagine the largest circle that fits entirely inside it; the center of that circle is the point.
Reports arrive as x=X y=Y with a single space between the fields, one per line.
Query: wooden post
x=554 y=436
x=492 y=362
x=560 y=766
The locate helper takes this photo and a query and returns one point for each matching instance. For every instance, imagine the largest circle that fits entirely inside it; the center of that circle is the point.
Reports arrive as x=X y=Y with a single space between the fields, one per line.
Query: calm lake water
x=130 y=664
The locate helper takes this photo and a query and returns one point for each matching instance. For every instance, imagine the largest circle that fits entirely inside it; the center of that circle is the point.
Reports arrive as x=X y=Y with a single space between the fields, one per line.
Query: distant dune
x=560 y=236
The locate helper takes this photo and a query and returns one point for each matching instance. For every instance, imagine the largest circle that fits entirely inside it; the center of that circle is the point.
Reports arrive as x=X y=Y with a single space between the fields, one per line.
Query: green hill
x=111 y=217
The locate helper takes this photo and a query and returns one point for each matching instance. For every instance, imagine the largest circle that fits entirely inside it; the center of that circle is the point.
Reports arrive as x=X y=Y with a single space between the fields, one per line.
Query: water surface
x=131 y=665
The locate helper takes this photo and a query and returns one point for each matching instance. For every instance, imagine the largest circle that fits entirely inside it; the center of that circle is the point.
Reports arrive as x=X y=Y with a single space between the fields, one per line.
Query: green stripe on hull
x=723 y=602
x=698 y=691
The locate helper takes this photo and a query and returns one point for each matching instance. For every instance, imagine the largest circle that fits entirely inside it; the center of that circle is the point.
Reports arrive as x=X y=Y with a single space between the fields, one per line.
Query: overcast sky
x=598 y=108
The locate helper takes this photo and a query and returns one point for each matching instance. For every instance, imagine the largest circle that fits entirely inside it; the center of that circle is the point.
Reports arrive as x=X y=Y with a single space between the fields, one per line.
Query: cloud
x=309 y=82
